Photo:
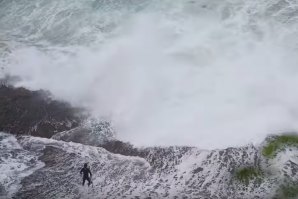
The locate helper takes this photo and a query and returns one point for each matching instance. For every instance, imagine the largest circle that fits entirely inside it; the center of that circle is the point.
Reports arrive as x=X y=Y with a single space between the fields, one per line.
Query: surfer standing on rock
x=86 y=171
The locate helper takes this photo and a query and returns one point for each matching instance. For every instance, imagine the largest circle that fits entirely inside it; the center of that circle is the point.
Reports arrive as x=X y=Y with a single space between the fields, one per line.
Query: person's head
x=85 y=165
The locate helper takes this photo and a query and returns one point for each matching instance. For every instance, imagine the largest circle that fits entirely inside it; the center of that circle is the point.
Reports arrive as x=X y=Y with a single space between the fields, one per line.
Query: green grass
x=278 y=143
x=246 y=174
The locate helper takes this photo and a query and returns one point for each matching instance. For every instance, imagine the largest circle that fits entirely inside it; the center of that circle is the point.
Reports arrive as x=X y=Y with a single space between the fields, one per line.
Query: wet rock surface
x=35 y=113
x=176 y=172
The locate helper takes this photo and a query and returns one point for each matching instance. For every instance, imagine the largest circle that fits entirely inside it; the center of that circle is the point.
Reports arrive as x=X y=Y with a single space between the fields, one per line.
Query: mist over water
x=211 y=74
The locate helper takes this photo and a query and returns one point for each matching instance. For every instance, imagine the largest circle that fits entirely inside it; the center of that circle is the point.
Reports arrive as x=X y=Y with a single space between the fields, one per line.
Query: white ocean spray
x=211 y=74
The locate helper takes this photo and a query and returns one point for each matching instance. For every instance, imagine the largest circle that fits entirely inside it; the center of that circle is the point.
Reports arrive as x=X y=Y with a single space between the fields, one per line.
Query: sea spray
x=206 y=73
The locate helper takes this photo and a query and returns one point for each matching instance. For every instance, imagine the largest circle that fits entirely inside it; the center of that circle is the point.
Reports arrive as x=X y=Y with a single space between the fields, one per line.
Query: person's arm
x=90 y=172
x=81 y=171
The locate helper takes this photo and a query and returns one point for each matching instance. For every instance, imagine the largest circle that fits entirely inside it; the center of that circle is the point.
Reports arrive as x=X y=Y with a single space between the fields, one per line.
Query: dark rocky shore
x=35 y=113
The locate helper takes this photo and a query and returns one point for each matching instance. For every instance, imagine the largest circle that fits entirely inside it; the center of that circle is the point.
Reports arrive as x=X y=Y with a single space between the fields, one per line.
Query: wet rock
x=197 y=170
x=35 y=113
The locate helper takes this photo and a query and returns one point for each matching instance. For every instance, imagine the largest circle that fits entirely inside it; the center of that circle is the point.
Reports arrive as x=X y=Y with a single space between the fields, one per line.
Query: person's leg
x=84 y=179
x=89 y=181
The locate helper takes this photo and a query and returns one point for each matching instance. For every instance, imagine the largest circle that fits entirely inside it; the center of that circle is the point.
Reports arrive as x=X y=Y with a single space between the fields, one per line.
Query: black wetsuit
x=86 y=172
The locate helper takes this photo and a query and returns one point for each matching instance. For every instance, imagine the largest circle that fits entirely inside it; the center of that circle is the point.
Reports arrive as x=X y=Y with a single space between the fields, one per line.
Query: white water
x=15 y=164
x=205 y=73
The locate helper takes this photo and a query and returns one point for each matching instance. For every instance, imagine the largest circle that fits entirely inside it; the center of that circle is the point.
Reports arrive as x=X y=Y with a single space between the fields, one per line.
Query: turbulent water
x=209 y=73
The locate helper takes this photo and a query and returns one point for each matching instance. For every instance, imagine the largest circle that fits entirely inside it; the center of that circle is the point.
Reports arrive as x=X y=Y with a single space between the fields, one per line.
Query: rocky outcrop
x=175 y=172
x=35 y=113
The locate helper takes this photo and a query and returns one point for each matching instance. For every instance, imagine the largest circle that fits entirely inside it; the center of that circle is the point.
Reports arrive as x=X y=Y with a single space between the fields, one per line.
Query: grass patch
x=246 y=174
x=278 y=143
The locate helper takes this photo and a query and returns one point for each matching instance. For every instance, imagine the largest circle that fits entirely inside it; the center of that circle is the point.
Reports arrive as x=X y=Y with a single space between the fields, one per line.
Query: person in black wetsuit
x=86 y=171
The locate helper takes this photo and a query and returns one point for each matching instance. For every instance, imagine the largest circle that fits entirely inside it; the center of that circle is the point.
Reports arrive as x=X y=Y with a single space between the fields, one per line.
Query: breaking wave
x=209 y=73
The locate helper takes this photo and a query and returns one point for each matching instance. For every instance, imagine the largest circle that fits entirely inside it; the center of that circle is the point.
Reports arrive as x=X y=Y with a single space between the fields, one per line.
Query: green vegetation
x=246 y=174
x=289 y=191
x=278 y=143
